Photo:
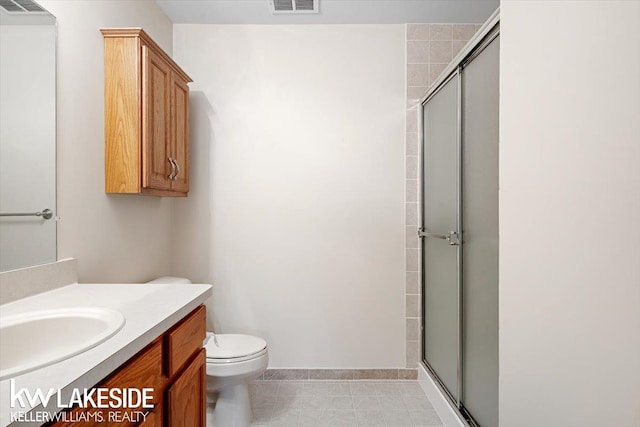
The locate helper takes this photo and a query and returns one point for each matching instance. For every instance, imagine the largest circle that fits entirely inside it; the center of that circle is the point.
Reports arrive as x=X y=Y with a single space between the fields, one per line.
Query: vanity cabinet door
x=156 y=136
x=153 y=419
x=186 y=397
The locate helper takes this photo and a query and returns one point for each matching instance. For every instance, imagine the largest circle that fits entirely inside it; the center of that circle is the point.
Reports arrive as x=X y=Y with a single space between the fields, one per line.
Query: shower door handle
x=453 y=237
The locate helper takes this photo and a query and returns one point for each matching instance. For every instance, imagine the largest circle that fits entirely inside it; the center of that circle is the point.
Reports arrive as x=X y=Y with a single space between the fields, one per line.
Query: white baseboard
x=438 y=400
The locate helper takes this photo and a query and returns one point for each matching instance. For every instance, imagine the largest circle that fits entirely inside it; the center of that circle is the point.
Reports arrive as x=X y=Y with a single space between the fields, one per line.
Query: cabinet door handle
x=175 y=162
x=173 y=173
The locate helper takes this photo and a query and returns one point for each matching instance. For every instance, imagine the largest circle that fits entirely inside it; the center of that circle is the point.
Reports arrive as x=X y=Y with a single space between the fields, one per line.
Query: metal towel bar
x=45 y=214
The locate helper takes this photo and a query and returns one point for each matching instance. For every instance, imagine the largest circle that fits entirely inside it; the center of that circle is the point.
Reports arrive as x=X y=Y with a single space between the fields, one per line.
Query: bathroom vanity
x=159 y=348
x=173 y=365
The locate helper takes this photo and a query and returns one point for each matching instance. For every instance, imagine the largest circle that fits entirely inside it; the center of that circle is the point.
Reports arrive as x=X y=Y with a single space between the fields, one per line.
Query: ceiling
x=331 y=12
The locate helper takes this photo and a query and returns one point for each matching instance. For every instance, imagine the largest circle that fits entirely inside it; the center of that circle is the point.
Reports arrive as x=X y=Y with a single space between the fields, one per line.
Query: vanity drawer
x=185 y=340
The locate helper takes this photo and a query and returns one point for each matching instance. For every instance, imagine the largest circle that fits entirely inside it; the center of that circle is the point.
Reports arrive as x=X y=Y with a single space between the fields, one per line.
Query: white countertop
x=149 y=310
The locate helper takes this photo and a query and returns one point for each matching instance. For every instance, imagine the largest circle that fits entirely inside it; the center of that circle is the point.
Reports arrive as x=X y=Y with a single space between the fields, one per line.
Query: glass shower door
x=480 y=85
x=460 y=234
x=439 y=248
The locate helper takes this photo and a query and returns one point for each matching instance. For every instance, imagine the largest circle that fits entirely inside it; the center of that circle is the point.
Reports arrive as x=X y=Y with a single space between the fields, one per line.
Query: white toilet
x=233 y=361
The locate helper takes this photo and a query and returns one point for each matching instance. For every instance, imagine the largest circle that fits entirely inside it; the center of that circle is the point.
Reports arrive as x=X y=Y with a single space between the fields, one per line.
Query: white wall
x=27 y=142
x=115 y=238
x=569 y=214
x=296 y=210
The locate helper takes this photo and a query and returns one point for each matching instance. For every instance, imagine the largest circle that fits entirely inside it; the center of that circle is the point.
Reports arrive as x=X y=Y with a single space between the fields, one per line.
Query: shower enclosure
x=460 y=233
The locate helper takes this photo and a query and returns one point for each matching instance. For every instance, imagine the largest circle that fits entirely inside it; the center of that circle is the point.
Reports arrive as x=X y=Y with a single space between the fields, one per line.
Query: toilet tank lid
x=171 y=280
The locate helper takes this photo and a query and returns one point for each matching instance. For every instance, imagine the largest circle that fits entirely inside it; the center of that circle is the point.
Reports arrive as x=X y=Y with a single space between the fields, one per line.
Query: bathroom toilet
x=233 y=361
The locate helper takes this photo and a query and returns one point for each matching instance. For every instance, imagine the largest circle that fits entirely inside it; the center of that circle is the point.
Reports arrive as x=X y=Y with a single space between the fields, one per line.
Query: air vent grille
x=10 y=6
x=21 y=6
x=294 y=6
x=283 y=5
x=304 y=5
x=29 y=6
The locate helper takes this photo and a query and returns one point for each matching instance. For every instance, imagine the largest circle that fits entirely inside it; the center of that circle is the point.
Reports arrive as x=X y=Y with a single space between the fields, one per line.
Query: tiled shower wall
x=430 y=48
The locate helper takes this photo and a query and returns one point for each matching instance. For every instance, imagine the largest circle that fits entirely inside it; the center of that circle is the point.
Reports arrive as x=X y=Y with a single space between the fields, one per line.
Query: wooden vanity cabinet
x=174 y=365
x=146 y=117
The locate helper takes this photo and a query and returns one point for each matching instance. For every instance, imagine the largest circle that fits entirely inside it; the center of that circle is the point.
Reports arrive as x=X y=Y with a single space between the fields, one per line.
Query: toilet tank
x=171 y=280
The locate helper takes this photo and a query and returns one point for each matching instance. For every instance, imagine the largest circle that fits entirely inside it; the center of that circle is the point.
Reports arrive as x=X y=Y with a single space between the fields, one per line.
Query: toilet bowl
x=233 y=361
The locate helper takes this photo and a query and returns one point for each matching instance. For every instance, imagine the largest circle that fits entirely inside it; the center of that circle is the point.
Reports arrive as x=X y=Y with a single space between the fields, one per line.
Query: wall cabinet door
x=186 y=397
x=180 y=132
x=156 y=136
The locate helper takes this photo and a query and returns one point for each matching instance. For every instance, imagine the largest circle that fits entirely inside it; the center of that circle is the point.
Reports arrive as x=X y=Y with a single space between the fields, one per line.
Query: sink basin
x=39 y=338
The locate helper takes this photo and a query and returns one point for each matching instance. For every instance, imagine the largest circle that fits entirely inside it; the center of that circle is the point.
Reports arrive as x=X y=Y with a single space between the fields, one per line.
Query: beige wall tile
x=418 y=52
x=411 y=214
x=412 y=240
x=412 y=167
x=407 y=374
x=331 y=374
x=456 y=46
x=416 y=92
x=440 y=52
x=413 y=281
x=413 y=329
x=412 y=120
x=434 y=72
x=412 y=190
x=286 y=374
x=463 y=31
x=413 y=354
x=440 y=31
x=413 y=304
x=413 y=262
x=418 y=74
x=376 y=374
x=412 y=144
x=417 y=31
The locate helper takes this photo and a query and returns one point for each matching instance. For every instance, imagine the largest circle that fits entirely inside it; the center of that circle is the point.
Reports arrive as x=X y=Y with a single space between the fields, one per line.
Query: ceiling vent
x=291 y=6
x=21 y=6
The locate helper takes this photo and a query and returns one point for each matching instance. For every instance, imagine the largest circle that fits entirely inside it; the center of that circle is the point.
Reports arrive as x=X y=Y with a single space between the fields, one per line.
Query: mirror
x=27 y=135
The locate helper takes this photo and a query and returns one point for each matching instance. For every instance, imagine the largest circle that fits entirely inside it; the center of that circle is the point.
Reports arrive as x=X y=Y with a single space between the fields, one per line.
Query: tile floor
x=341 y=403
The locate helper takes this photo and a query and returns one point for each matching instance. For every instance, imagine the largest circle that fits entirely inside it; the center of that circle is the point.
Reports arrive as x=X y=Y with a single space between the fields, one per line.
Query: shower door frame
x=483 y=38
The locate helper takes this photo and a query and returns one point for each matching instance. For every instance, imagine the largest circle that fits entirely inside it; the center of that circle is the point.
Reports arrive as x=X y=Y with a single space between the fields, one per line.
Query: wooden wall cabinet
x=174 y=365
x=146 y=117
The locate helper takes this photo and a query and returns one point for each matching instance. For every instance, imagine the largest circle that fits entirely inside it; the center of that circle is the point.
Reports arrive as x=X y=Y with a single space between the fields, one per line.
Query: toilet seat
x=234 y=348
x=236 y=359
